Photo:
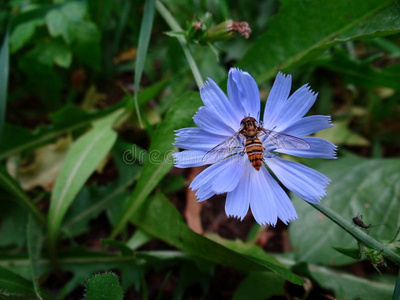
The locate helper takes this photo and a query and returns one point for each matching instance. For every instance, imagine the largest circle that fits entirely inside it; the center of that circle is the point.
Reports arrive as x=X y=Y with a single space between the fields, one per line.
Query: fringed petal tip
x=316 y=199
x=335 y=152
x=289 y=220
x=266 y=223
x=207 y=82
x=282 y=76
x=307 y=88
x=235 y=69
x=237 y=217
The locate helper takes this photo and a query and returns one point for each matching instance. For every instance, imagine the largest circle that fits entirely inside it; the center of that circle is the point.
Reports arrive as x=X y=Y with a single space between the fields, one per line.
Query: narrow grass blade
x=9 y=184
x=143 y=45
x=4 y=69
x=35 y=240
x=122 y=24
x=396 y=293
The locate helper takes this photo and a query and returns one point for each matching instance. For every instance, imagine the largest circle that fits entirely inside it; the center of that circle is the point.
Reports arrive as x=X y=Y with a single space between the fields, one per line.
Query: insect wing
x=231 y=145
x=285 y=141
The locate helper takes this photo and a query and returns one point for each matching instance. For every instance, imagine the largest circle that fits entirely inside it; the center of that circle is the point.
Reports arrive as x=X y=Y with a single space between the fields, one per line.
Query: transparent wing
x=286 y=141
x=231 y=145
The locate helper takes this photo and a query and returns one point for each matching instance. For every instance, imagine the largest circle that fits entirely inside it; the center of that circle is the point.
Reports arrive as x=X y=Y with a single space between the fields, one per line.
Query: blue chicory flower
x=233 y=173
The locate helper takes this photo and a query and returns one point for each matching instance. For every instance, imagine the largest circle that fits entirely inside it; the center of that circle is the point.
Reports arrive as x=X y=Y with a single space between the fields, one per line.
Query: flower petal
x=204 y=182
x=285 y=208
x=207 y=120
x=293 y=109
x=215 y=100
x=262 y=200
x=305 y=182
x=189 y=158
x=238 y=201
x=196 y=139
x=228 y=177
x=276 y=98
x=243 y=90
x=205 y=192
x=319 y=148
x=234 y=97
x=309 y=125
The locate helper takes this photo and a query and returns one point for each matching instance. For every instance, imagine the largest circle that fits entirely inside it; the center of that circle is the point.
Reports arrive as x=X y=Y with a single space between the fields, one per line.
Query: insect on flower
x=230 y=127
x=251 y=132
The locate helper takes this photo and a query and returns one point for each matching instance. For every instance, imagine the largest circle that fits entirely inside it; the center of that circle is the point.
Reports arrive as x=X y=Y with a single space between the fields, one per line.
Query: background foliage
x=86 y=85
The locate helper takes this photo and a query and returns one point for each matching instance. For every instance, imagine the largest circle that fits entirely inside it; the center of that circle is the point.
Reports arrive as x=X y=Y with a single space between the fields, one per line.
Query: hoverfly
x=248 y=140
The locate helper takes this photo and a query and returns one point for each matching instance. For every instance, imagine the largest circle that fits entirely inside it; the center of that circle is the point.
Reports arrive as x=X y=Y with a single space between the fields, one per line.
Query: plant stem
x=358 y=234
x=164 y=12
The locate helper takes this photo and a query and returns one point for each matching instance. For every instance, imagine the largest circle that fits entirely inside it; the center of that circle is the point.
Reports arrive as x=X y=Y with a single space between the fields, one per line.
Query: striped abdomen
x=254 y=151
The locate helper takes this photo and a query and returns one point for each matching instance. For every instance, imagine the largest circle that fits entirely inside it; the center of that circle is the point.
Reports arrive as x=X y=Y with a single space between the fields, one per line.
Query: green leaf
x=344 y=285
x=179 y=115
x=159 y=218
x=81 y=161
x=143 y=45
x=86 y=44
x=91 y=201
x=124 y=249
x=74 y=10
x=384 y=22
x=350 y=252
x=191 y=273
x=100 y=11
x=138 y=239
x=60 y=22
x=12 y=284
x=67 y=119
x=369 y=187
x=4 y=69
x=62 y=56
x=259 y=285
x=152 y=91
x=21 y=35
x=12 y=215
x=52 y=52
x=103 y=286
x=13 y=187
x=35 y=240
x=36 y=67
x=362 y=73
x=34 y=14
x=304 y=29
x=57 y=24
x=83 y=264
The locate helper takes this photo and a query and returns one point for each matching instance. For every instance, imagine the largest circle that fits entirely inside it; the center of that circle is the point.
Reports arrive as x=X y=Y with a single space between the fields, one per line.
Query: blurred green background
x=80 y=196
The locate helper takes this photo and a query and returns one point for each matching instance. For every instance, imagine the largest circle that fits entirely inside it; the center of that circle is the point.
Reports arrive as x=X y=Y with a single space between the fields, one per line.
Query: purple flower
x=284 y=129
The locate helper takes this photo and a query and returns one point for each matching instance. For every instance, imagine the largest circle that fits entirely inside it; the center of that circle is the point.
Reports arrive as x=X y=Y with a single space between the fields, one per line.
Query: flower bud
x=225 y=31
